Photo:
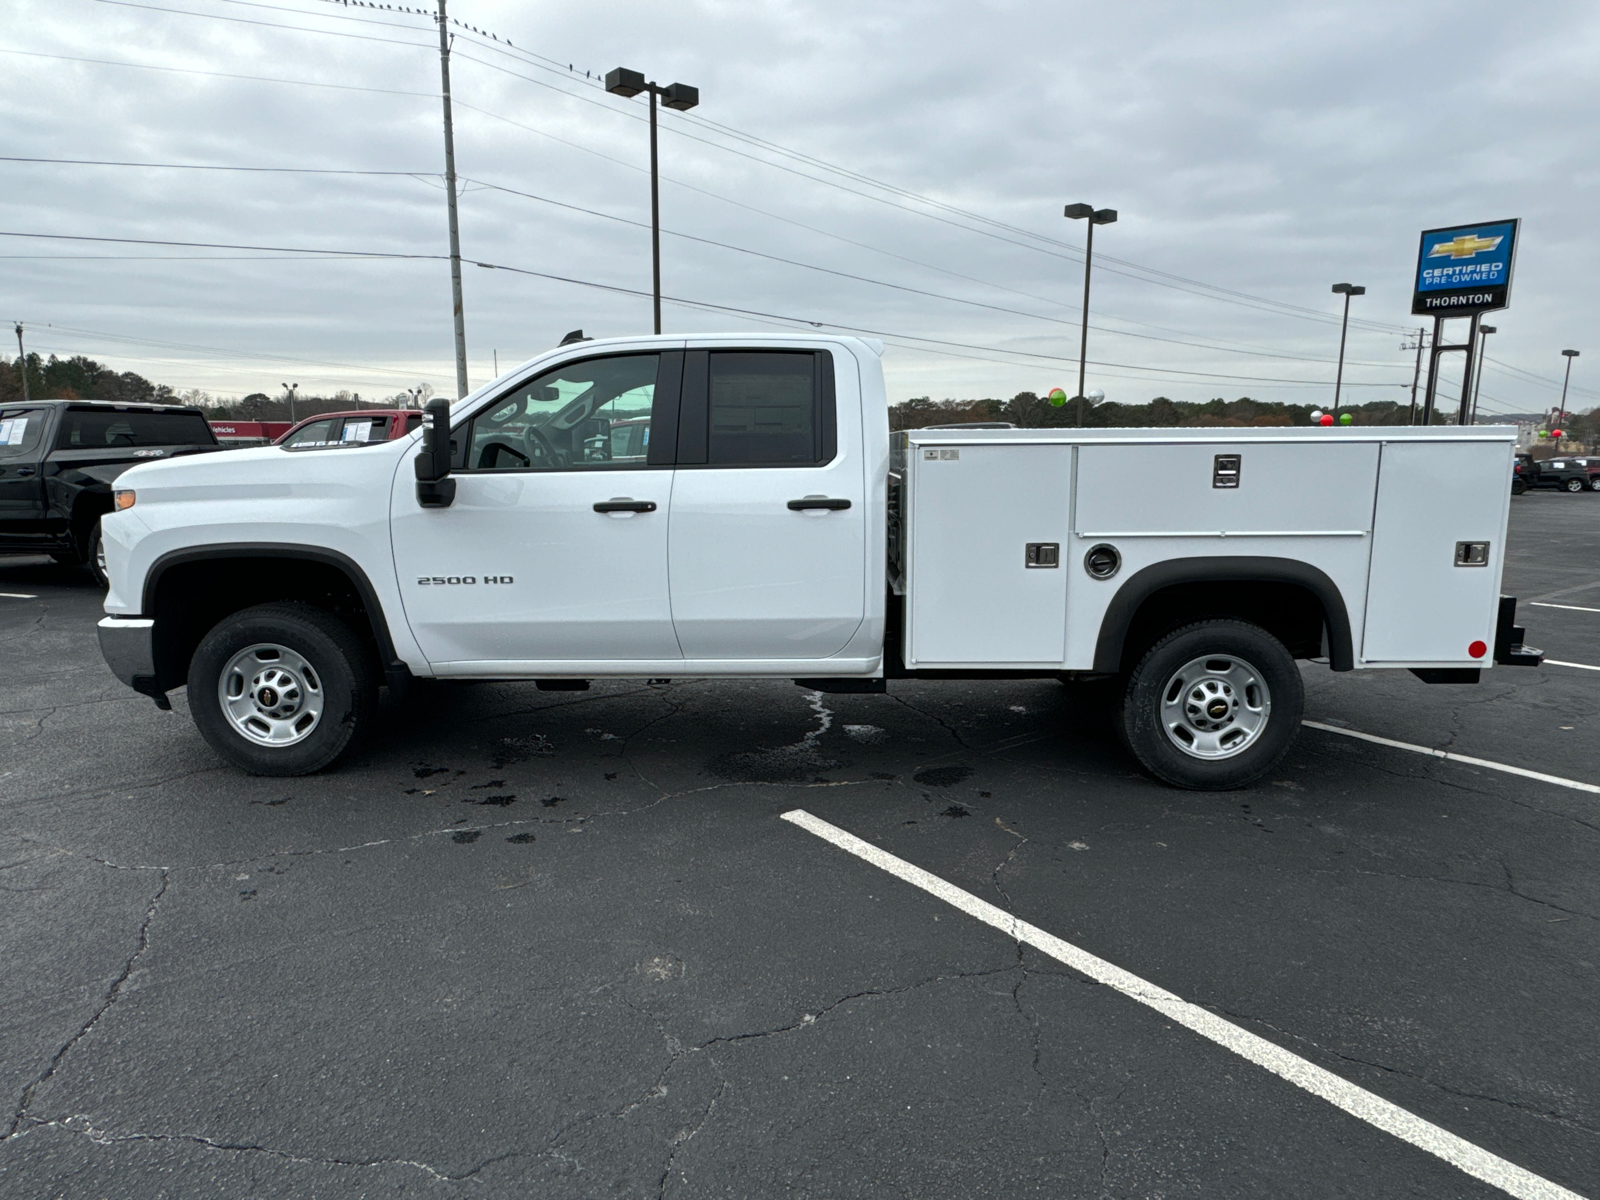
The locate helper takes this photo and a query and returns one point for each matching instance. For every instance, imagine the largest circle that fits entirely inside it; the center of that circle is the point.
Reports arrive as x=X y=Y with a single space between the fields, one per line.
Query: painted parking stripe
x=18 y=595
x=1569 y=607
x=1556 y=662
x=1340 y=1092
x=1575 y=784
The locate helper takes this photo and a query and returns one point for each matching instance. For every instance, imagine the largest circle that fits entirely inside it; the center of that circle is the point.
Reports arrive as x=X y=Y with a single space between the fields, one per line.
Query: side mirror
x=435 y=488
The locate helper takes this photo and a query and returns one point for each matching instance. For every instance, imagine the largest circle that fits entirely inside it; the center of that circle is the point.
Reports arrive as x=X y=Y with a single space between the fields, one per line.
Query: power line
x=703 y=304
x=98 y=162
x=184 y=12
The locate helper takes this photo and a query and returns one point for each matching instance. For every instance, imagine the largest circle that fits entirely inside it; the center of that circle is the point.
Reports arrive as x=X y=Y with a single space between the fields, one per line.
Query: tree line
x=82 y=378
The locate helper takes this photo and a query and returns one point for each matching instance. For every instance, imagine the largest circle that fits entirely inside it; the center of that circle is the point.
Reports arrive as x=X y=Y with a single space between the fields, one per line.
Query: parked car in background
x=1566 y=474
x=363 y=428
x=59 y=458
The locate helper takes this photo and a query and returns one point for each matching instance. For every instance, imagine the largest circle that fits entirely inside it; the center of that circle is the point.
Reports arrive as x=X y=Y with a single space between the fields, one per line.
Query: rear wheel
x=282 y=689
x=1594 y=483
x=1212 y=706
x=1518 y=487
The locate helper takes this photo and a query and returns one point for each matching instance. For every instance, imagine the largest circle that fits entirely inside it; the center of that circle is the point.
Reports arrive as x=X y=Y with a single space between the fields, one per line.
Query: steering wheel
x=497 y=447
x=540 y=443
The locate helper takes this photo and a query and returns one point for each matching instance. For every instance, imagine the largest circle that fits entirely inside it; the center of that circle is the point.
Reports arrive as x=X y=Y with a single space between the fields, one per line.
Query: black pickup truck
x=58 y=459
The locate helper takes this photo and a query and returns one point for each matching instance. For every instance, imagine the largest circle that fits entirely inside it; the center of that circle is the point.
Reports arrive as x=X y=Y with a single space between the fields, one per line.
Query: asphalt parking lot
x=561 y=944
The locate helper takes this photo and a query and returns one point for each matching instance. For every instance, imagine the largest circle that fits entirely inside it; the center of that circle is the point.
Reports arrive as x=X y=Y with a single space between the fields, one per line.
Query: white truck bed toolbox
x=995 y=527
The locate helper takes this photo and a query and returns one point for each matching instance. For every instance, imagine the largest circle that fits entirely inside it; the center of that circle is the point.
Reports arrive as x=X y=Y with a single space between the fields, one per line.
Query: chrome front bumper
x=127 y=644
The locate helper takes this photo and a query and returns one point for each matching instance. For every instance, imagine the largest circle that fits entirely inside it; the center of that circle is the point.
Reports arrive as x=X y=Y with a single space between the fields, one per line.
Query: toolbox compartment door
x=973 y=600
x=1421 y=606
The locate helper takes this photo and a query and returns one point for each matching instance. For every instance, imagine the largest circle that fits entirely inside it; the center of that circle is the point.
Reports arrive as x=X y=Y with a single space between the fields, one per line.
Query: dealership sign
x=1465 y=269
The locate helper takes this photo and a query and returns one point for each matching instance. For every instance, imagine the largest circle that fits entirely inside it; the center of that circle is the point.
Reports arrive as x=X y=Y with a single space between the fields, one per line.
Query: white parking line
x=1572 y=607
x=18 y=596
x=1576 y=784
x=1340 y=1092
x=1556 y=662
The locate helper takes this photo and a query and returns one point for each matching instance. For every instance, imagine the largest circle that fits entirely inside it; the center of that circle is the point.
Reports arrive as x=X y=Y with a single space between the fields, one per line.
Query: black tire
x=1594 y=483
x=1518 y=487
x=94 y=557
x=338 y=670
x=1155 y=682
x=1574 y=485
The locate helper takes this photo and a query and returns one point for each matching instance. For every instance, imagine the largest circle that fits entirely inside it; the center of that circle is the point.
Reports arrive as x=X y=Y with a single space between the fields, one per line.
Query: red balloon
x=1555 y=433
x=1327 y=418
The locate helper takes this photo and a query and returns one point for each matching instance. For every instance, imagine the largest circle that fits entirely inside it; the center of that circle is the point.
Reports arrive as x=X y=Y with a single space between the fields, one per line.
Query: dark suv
x=1567 y=474
x=58 y=459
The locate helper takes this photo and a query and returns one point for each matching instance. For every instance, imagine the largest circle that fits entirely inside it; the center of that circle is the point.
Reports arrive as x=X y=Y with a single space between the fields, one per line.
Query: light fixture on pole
x=1347 y=290
x=625 y=83
x=1569 y=355
x=1100 y=216
x=1477 y=382
x=291 y=388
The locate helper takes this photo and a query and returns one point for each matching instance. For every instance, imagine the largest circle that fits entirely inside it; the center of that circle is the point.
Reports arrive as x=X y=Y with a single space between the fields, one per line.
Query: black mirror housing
x=435 y=488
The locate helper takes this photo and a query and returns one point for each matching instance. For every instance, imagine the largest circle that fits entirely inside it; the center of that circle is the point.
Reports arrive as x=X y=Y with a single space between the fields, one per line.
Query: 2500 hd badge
x=432 y=580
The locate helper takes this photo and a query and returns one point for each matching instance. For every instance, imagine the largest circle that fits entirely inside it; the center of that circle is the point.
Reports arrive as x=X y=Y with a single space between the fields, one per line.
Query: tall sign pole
x=22 y=364
x=450 y=193
x=1462 y=271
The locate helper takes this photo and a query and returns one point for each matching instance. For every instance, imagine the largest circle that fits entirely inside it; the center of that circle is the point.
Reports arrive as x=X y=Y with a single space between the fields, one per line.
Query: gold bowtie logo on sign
x=1465 y=246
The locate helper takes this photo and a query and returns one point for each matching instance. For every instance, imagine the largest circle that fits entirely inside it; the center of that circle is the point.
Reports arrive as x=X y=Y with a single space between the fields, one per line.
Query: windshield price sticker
x=356 y=431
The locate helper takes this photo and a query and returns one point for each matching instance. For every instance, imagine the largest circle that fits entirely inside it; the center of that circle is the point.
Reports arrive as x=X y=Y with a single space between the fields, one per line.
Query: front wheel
x=1213 y=706
x=281 y=689
x=1594 y=483
x=1574 y=485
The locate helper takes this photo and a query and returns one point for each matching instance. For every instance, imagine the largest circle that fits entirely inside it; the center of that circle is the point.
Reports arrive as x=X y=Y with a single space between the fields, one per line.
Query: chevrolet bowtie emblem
x=1465 y=246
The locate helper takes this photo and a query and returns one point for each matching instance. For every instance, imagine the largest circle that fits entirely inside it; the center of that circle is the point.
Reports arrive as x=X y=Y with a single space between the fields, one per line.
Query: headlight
x=122 y=500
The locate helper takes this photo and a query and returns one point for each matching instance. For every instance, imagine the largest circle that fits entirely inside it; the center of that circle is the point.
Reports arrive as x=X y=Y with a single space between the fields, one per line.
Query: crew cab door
x=21 y=476
x=553 y=550
x=768 y=538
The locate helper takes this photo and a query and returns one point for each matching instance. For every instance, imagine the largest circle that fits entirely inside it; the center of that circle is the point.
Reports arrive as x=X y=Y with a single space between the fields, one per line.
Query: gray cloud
x=1264 y=148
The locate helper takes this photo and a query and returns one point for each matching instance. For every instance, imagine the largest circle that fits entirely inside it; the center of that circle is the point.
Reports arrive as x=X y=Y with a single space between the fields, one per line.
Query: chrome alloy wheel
x=271 y=695
x=100 y=559
x=1214 y=707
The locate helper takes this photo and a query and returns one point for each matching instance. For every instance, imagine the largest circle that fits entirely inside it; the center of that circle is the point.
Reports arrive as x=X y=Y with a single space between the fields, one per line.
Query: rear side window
x=757 y=408
x=85 y=429
x=20 y=431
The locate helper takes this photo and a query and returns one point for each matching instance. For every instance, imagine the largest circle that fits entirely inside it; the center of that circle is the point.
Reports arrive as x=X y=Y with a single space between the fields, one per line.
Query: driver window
x=581 y=415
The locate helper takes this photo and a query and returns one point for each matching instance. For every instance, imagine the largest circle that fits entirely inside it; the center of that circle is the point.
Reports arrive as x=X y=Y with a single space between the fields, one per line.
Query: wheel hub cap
x=1215 y=707
x=271 y=695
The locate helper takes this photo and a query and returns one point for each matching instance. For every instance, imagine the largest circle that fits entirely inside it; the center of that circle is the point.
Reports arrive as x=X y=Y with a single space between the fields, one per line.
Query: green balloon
x=1057 y=397
x=1345 y=418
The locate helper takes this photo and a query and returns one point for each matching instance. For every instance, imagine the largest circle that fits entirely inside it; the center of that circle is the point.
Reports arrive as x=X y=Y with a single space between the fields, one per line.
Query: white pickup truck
x=736 y=506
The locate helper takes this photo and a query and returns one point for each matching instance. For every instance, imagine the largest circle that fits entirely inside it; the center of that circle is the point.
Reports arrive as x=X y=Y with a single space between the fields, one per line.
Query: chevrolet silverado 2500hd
x=735 y=506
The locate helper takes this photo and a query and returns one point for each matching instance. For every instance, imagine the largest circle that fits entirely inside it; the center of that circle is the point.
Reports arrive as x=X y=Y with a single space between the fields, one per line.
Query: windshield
x=84 y=429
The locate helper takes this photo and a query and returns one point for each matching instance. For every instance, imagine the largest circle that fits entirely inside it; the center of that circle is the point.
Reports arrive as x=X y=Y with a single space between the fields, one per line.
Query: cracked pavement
x=549 y=944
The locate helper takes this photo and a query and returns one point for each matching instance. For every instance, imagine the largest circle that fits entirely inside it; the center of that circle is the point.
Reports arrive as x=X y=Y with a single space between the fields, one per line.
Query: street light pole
x=1477 y=383
x=1348 y=290
x=625 y=83
x=291 y=388
x=1103 y=216
x=1561 y=418
x=22 y=363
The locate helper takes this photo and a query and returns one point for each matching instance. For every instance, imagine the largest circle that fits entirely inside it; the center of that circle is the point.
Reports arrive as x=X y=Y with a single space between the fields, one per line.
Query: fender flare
x=1143 y=584
x=341 y=562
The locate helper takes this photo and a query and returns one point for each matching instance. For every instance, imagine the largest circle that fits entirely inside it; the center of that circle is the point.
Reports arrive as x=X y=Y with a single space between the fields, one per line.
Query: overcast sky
x=1263 y=151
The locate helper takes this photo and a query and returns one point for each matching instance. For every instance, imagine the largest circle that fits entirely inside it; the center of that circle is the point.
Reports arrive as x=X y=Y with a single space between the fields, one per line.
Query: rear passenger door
x=767 y=545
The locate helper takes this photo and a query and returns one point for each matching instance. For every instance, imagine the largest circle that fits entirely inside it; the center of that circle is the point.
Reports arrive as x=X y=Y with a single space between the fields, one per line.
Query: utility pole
x=22 y=363
x=450 y=192
x=1416 y=373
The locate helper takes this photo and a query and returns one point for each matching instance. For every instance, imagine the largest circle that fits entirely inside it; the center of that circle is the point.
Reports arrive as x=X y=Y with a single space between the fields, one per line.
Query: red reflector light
x=1477 y=649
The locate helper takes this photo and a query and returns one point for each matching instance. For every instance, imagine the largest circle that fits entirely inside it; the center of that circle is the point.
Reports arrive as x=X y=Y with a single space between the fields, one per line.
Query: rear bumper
x=1509 y=650
x=128 y=646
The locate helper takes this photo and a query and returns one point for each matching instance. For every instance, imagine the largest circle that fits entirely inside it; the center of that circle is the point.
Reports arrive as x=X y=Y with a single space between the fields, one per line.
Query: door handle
x=818 y=502
x=624 y=504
